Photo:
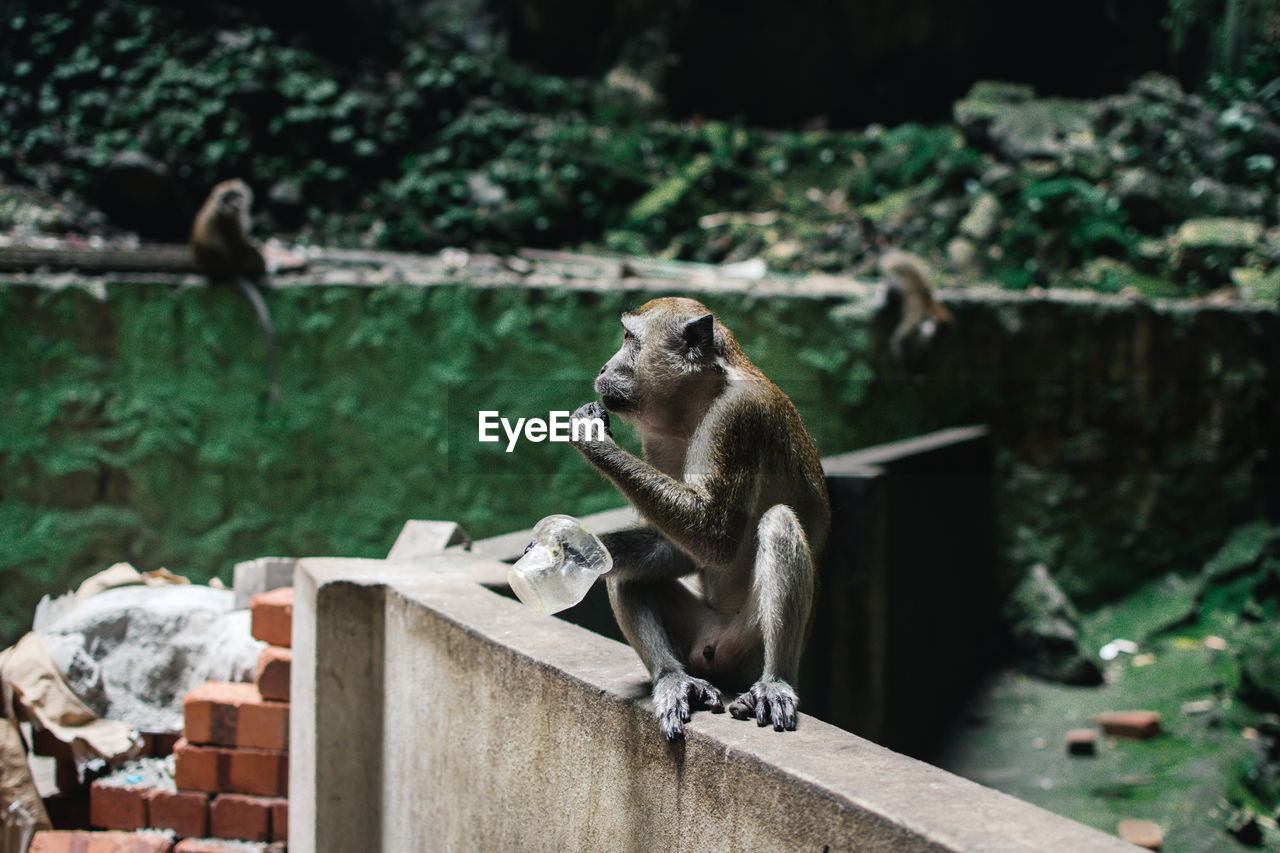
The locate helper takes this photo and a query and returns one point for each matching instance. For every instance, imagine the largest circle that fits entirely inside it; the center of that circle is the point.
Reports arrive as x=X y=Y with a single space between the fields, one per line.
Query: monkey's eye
x=627 y=337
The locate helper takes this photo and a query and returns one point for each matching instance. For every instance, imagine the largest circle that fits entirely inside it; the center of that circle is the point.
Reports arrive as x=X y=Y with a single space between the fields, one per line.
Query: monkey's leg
x=659 y=616
x=251 y=291
x=783 y=596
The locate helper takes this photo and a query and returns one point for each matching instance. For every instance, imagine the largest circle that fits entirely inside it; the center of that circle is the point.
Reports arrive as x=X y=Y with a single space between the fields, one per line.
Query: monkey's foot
x=769 y=701
x=671 y=695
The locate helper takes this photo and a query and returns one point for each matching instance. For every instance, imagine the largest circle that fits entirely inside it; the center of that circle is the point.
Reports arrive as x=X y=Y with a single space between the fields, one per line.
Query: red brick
x=271 y=616
x=1135 y=724
x=118 y=806
x=185 y=812
x=1143 y=833
x=280 y=820
x=218 y=845
x=195 y=768
x=81 y=841
x=274 y=667
x=1082 y=741
x=68 y=811
x=67 y=776
x=159 y=744
x=242 y=816
x=218 y=770
x=225 y=714
x=45 y=742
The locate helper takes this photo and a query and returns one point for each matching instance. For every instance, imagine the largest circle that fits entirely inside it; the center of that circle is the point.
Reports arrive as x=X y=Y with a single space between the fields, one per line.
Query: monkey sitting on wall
x=923 y=320
x=719 y=582
x=223 y=252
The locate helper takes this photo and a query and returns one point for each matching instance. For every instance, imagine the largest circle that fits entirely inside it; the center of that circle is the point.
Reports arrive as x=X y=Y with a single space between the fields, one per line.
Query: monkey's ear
x=699 y=336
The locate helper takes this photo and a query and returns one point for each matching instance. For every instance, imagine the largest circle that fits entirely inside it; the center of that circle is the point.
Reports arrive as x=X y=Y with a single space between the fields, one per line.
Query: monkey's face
x=233 y=199
x=666 y=369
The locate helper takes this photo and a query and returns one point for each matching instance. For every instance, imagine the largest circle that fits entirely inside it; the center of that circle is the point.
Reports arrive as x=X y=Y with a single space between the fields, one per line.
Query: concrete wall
x=910 y=587
x=1129 y=436
x=910 y=568
x=431 y=713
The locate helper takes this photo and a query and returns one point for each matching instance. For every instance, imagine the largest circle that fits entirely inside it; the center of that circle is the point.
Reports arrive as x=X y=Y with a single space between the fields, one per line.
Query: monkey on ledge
x=718 y=583
x=223 y=251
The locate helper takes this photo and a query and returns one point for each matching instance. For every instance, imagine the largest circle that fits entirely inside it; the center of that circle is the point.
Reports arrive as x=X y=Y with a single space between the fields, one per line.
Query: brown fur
x=223 y=251
x=220 y=234
x=732 y=489
x=923 y=319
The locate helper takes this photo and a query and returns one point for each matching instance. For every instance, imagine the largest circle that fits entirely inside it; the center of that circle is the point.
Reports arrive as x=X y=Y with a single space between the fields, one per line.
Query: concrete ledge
x=431 y=713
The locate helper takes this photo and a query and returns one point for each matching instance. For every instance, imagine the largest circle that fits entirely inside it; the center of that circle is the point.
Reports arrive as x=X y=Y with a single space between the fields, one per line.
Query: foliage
x=431 y=142
x=136 y=427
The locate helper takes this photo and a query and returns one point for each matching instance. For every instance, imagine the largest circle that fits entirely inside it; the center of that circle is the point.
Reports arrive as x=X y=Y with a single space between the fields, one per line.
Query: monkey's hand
x=589 y=426
x=671 y=694
x=769 y=701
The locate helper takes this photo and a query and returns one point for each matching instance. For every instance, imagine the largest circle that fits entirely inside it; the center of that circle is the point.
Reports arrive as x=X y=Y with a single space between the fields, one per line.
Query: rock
x=1257 y=286
x=137 y=192
x=1111 y=276
x=1212 y=196
x=1143 y=833
x=1219 y=233
x=1043 y=624
x=1158 y=87
x=151 y=645
x=1243 y=826
x=1260 y=671
x=1208 y=249
x=285 y=202
x=981 y=220
x=962 y=255
x=484 y=191
x=1008 y=119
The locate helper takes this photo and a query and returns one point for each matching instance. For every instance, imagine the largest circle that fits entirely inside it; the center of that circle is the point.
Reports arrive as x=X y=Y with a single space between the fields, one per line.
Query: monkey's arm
x=642 y=553
x=706 y=517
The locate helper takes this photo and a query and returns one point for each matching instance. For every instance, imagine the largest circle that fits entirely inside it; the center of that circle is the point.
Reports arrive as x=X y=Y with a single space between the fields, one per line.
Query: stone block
x=261 y=575
x=426 y=538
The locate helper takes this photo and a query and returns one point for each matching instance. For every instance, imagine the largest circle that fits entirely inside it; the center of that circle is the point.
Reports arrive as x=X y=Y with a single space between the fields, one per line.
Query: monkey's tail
x=254 y=295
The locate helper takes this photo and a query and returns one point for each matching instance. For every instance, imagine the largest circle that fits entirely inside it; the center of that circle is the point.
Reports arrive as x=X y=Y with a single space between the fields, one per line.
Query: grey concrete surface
x=431 y=713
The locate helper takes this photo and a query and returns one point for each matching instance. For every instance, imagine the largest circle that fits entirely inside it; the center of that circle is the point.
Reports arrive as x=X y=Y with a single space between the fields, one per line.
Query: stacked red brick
x=235 y=744
x=231 y=767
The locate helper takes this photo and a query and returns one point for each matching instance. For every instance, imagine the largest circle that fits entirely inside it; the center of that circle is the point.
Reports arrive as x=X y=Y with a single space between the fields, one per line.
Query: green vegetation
x=431 y=143
x=1206 y=663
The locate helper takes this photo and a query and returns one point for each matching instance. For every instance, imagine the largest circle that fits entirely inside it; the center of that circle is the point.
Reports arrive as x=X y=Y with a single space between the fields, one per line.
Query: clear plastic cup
x=559 y=566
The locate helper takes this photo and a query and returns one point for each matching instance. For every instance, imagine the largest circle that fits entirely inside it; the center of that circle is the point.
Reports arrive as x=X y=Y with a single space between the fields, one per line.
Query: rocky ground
x=1201 y=651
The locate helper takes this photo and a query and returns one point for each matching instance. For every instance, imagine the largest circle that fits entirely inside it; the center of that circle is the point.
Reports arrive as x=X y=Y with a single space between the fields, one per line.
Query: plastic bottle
x=559 y=566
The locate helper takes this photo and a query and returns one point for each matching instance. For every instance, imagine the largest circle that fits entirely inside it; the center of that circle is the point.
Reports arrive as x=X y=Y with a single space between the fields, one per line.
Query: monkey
x=223 y=252
x=718 y=581
x=923 y=319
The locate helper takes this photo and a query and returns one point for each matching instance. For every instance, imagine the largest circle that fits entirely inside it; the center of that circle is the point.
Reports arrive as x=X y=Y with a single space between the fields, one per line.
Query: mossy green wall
x=135 y=426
